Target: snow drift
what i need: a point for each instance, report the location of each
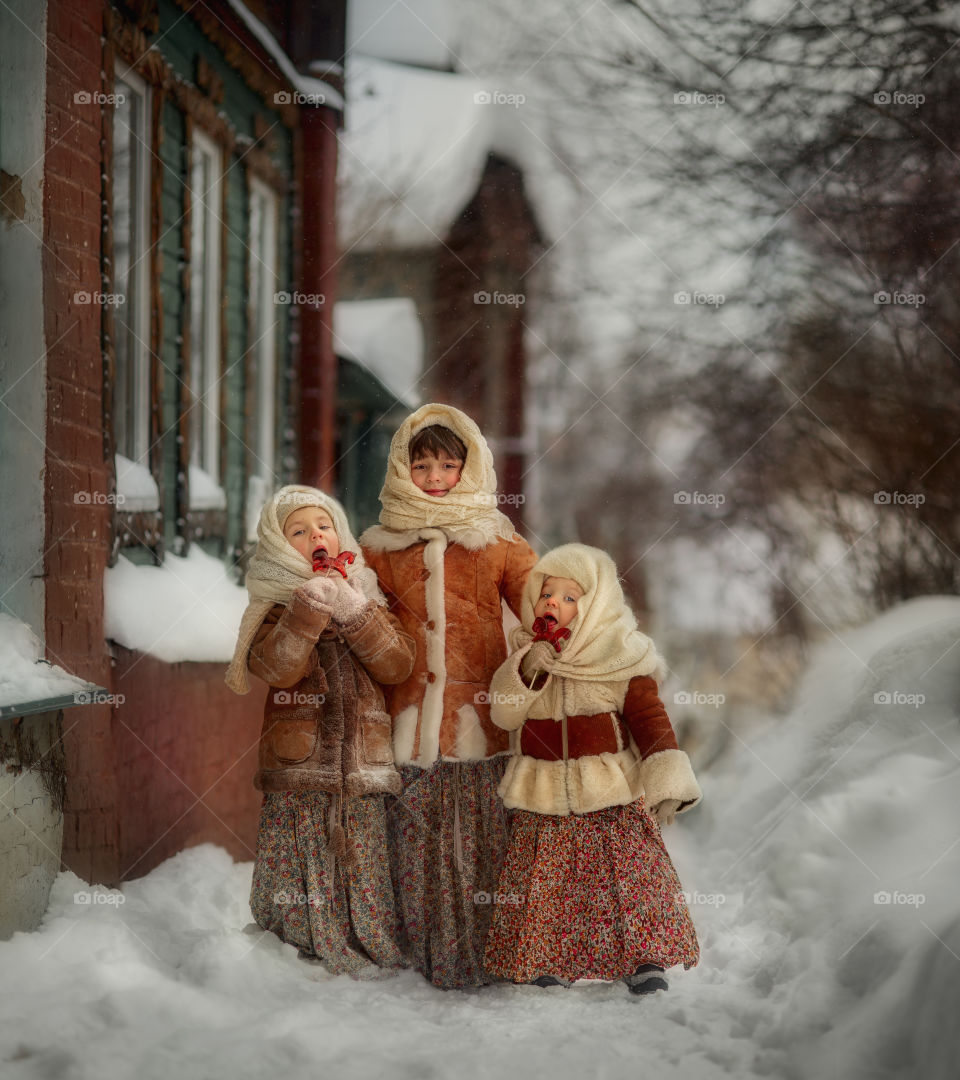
(821, 869)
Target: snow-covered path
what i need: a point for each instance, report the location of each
(806, 971)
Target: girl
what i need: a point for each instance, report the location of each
(320, 879)
(446, 558)
(588, 889)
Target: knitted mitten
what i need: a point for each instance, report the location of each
(343, 600)
(317, 593)
(536, 659)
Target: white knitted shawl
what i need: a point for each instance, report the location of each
(467, 514)
(277, 568)
(605, 644)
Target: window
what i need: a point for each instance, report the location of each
(130, 215)
(263, 346)
(205, 238)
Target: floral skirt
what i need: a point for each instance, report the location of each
(447, 834)
(342, 914)
(589, 896)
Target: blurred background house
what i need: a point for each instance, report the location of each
(436, 209)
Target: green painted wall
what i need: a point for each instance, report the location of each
(181, 43)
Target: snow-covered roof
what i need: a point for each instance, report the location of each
(413, 32)
(386, 337)
(414, 149)
(312, 88)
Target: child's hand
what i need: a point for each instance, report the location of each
(538, 656)
(347, 602)
(665, 811)
(319, 592)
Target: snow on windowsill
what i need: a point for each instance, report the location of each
(25, 675)
(136, 488)
(188, 609)
(205, 492)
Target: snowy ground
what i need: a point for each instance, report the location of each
(807, 971)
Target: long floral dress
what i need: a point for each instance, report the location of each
(588, 896)
(340, 911)
(447, 834)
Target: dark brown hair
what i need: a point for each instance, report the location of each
(439, 441)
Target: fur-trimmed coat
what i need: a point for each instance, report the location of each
(447, 597)
(324, 723)
(611, 743)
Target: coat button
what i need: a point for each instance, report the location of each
(431, 625)
(431, 676)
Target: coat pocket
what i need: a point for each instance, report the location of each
(375, 732)
(293, 738)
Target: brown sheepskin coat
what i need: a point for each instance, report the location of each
(324, 724)
(447, 597)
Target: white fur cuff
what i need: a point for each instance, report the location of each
(668, 774)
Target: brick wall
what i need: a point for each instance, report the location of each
(172, 764)
(185, 749)
(77, 533)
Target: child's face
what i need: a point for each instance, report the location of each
(311, 527)
(558, 600)
(436, 475)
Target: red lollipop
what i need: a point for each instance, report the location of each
(322, 561)
(543, 632)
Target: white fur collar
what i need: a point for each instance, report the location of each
(380, 538)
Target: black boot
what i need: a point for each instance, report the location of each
(647, 979)
(549, 980)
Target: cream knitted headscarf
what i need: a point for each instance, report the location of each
(277, 568)
(604, 644)
(468, 508)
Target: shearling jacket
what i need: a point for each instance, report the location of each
(612, 744)
(447, 597)
(324, 723)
